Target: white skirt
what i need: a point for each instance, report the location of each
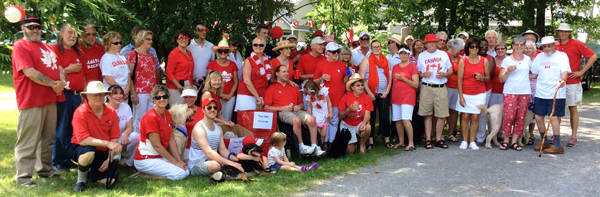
(471, 102)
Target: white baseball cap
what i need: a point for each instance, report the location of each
(364, 33)
(292, 36)
(317, 40)
(332, 46)
(463, 33)
(404, 50)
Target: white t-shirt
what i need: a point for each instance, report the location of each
(517, 81)
(124, 114)
(437, 61)
(549, 70)
(358, 56)
(116, 67)
(274, 152)
(202, 56)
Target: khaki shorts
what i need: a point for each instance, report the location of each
(574, 94)
(288, 117)
(433, 99)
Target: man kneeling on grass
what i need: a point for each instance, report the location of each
(95, 136)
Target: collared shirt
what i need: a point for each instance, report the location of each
(358, 56)
(574, 50)
(280, 95)
(393, 59)
(202, 56)
(492, 53)
(239, 62)
(87, 124)
(125, 52)
(179, 67)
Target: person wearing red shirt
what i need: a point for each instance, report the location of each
(91, 53)
(68, 54)
(307, 65)
(331, 74)
(256, 73)
(284, 49)
(574, 50)
(287, 101)
(95, 138)
(484, 46)
(180, 66)
(455, 48)
(39, 83)
(404, 85)
(356, 107)
(213, 87)
(152, 157)
(295, 54)
(229, 73)
(190, 94)
(471, 90)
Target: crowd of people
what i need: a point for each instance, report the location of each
(100, 99)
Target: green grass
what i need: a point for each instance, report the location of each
(592, 96)
(281, 184)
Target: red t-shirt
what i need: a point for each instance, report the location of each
(74, 80)
(275, 63)
(226, 72)
(453, 79)
(574, 50)
(86, 124)
(278, 95)
(198, 116)
(259, 81)
(217, 99)
(145, 73)
(41, 57)
(308, 63)
(488, 84)
(153, 122)
(179, 67)
(402, 92)
(497, 86)
(337, 71)
(90, 58)
(355, 117)
(294, 54)
(472, 86)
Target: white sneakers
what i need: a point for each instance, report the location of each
(311, 151)
(318, 152)
(463, 145)
(473, 146)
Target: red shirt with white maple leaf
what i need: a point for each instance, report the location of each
(228, 73)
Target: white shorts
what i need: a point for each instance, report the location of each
(574, 94)
(161, 167)
(245, 102)
(402, 112)
(471, 102)
(353, 131)
(452, 98)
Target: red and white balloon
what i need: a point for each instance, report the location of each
(14, 14)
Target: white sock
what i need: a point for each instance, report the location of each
(300, 145)
(81, 176)
(313, 145)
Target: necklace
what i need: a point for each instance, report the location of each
(163, 118)
(519, 59)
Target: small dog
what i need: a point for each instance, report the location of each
(340, 144)
(229, 173)
(495, 114)
(180, 114)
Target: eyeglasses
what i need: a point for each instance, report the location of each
(335, 52)
(148, 39)
(355, 44)
(258, 45)
(391, 42)
(183, 38)
(376, 47)
(473, 47)
(91, 34)
(223, 51)
(163, 97)
(211, 107)
(203, 30)
(36, 27)
(500, 49)
(363, 39)
(485, 47)
(547, 46)
(518, 45)
(117, 43)
(235, 45)
(358, 85)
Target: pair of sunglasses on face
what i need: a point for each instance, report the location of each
(183, 38)
(36, 27)
(210, 107)
(258, 45)
(161, 97)
(335, 52)
(203, 30)
(222, 51)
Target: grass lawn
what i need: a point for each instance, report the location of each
(281, 184)
(592, 96)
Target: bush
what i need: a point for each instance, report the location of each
(5, 60)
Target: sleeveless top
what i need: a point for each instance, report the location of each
(213, 137)
(258, 78)
(382, 79)
(472, 86)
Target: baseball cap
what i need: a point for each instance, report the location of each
(251, 140)
(207, 101)
(332, 46)
(318, 33)
(292, 36)
(30, 20)
(317, 40)
(364, 33)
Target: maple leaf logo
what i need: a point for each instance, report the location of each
(226, 76)
(49, 59)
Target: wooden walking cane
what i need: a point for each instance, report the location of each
(549, 119)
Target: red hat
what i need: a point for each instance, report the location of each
(430, 38)
(318, 33)
(207, 101)
(251, 140)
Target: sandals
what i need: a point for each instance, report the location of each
(441, 144)
(390, 145)
(531, 141)
(452, 138)
(397, 146)
(516, 147)
(428, 145)
(409, 148)
(503, 146)
(370, 147)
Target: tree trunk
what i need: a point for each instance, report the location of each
(540, 19)
(528, 15)
(453, 17)
(441, 14)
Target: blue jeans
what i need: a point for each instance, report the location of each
(62, 151)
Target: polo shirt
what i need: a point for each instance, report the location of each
(337, 71)
(574, 50)
(308, 64)
(202, 56)
(86, 124)
(279, 95)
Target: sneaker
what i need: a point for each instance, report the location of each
(29, 184)
(539, 147)
(572, 143)
(79, 186)
(318, 152)
(307, 150)
(314, 166)
(552, 140)
(553, 150)
(303, 168)
(463, 145)
(61, 168)
(473, 146)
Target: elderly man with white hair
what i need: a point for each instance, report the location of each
(307, 65)
(443, 37)
(493, 38)
(364, 50)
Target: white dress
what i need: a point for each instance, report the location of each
(319, 106)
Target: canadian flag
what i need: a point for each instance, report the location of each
(249, 20)
(296, 23)
(216, 23)
(279, 20)
(225, 35)
(310, 23)
(267, 23)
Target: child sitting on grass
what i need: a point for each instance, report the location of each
(278, 159)
(319, 107)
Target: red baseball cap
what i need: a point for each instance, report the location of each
(318, 33)
(251, 140)
(207, 101)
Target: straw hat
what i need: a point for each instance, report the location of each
(223, 44)
(563, 27)
(95, 87)
(537, 37)
(354, 78)
(394, 37)
(430, 38)
(283, 44)
(548, 40)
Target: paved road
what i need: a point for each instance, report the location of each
(486, 172)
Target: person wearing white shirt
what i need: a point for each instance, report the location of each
(364, 50)
(236, 56)
(434, 69)
(492, 37)
(201, 50)
(550, 68)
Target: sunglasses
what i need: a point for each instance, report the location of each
(376, 47)
(391, 42)
(355, 45)
(211, 107)
(365, 39)
(485, 47)
(159, 97)
(500, 49)
(223, 51)
(91, 34)
(183, 38)
(258, 45)
(473, 47)
(203, 30)
(335, 52)
(148, 39)
(358, 85)
(36, 27)
(117, 43)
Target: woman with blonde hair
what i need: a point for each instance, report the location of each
(113, 65)
(213, 87)
(142, 67)
(346, 58)
(256, 73)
